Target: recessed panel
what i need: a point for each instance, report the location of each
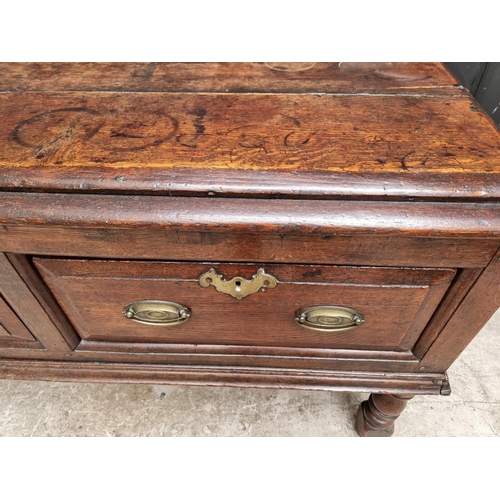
(395, 304)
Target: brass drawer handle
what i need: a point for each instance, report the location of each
(157, 313)
(238, 287)
(329, 318)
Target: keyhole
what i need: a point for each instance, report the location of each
(238, 286)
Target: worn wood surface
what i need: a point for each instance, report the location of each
(461, 285)
(301, 169)
(328, 248)
(476, 220)
(191, 129)
(229, 77)
(475, 310)
(396, 303)
(251, 132)
(233, 137)
(12, 325)
(23, 303)
(217, 355)
(13, 333)
(397, 383)
(365, 185)
(377, 415)
(37, 287)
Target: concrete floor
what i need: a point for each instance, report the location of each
(69, 409)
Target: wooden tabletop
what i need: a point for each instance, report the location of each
(322, 130)
(228, 77)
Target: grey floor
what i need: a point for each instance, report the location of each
(68, 409)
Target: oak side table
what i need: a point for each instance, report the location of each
(331, 226)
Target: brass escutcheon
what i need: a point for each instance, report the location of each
(329, 318)
(157, 312)
(238, 287)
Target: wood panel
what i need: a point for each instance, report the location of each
(225, 376)
(321, 133)
(12, 325)
(396, 303)
(264, 164)
(461, 285)
(37, 287)
(253, 215)
(162, 244)
(13, 333)
(101, 353)
(230, 182)
(24, 304)
(229, 77)
(475, 310)
(157, 125)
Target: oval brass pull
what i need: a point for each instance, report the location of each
(157, 313)
(329, 318)
(238, 287)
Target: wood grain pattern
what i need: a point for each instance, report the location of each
(303, 133)
(360, 185)
(376, 416)
(12, 325)
(396, 303)
(146, 128)
(24, 304)
(229, 77)
(253, 215)
(251, 353)
(294, 274)
(329, 248)
(475, 310)
(28, 274)
(216, 355)
(404, 383)
(13, 333)
(210, 182)
(461, 285)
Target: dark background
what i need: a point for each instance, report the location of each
(483, 81)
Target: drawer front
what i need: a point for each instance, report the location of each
(395, 303)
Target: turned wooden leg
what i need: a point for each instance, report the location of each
(377, 415)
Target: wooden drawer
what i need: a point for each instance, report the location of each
(354, 186)
(395, 303)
